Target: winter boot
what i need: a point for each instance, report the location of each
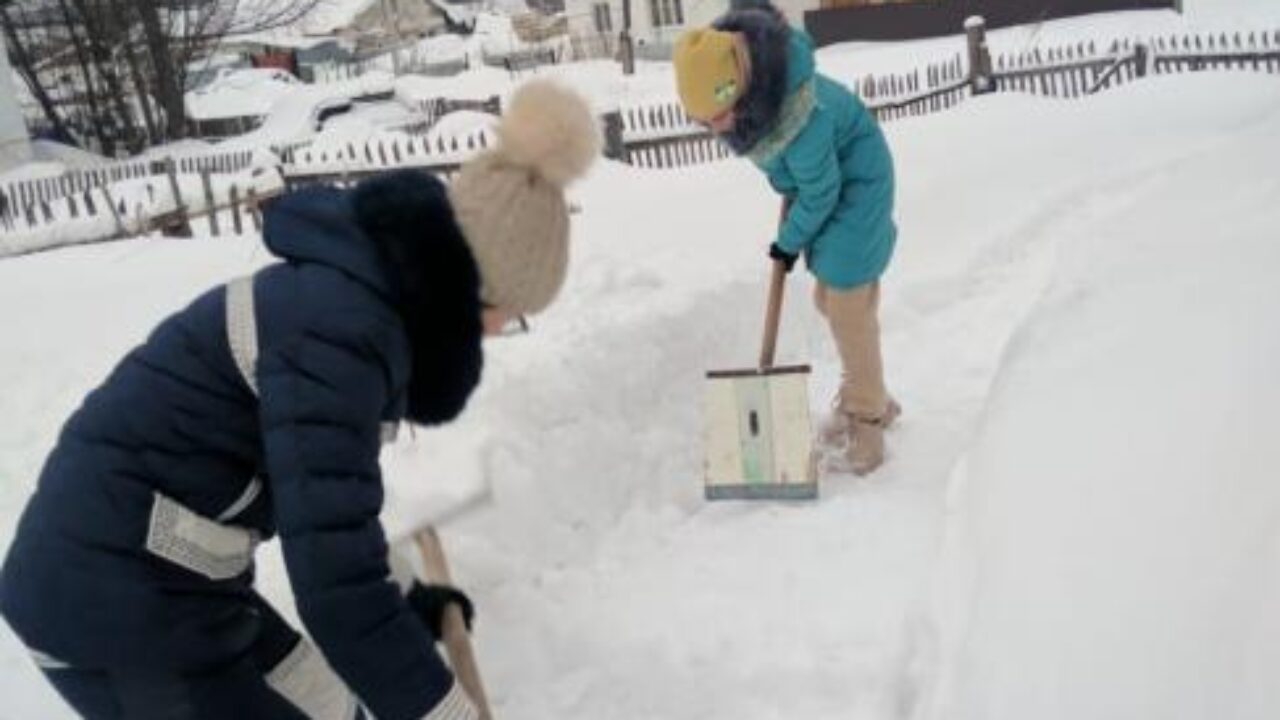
(836, 429)
(866, 439)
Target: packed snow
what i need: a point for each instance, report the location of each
(1078, 518)
(608, 588)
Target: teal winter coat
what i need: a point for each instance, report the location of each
(820, 148)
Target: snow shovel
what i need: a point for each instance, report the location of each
(468, 489)
(457, 643)
(758, 437)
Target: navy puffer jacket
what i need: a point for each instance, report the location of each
(372, 317)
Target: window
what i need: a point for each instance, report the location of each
(603, 14)
(665, 13)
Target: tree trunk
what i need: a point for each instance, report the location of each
(105, 141)
(168, 88)
(99, 47)
(28, 72)
(122, 27)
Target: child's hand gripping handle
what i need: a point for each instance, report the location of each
(457, 643)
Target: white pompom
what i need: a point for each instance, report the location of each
(551, 130)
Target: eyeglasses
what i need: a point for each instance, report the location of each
(518, 325)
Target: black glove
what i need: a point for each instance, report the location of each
(787, 259)
(429, 601)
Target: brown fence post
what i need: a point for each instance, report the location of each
(1140, 55)
(627, 53)
(980, 80)
(211, 207)
(179, 225)
(115, 214)
(614, 147)
(236, 224)
(255, 212)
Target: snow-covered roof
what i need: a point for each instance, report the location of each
(248, 92)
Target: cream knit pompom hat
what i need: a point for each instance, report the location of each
(510, 201)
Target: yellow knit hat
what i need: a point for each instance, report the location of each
(708, 73)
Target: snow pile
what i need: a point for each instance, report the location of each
(68, 155)
(607, 587)
(330, 16)
(1115, 541)
(295, 115)
(248, 92)
(50, 159)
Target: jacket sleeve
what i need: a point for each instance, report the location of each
(322, 395)
(812, 161)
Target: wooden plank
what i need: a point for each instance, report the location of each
(255, 213)
(211, 207)
(722, 460)
(792, 433)
(115, 213)
(755, 430)
(181, 225)
(236, 225)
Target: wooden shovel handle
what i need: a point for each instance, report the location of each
(457, 643)
(773, 312)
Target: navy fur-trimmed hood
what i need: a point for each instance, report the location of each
(435, 284)
(397, 234)
(767, 36)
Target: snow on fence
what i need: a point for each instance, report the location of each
(1258, 52)
(1071, 71)
(892, 97)
(409, 63)
(660, 136)
(224, 203)
(223, 189)
(353, 161)
(430, 110)
(25, 193)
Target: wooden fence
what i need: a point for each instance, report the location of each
(941, 86)
(226, 204)
(655, 135)
(661, 136)
(354, 161)
(1259, 52)
(28, 192)
(17, 195)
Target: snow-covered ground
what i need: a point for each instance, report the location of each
(1133, 275)
(1079, 518)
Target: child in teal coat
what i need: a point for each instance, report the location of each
(751, 78)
